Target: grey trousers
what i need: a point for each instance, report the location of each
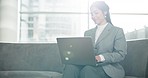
(76, 71)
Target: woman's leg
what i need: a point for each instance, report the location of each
(71, 71)
(93, 72)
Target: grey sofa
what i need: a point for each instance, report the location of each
(42, 60)
(30, 60)
(135, 63)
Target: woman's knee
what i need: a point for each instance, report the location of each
(72, 68)
(71, 71)
(88, 69)
(88, 72)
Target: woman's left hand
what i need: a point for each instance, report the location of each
(98, 58)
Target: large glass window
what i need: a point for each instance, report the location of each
(45, 20)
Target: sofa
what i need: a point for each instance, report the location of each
(30, 60)
(136, 60)
(42, 60)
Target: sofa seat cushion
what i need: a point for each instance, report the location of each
(132, 77)
(30, 74)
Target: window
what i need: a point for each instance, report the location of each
(48, 19)
(45, 20)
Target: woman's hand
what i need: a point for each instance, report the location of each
(98, 58)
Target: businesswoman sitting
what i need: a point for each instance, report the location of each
(109, 46)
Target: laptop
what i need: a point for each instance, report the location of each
(77, 51)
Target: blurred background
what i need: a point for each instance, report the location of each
(45, 20)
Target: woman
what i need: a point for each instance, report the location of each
(109, 46)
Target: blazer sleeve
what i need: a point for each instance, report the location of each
(120, 49)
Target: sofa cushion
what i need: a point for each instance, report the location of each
(136, 60)
(146, 75)
(30, 57)
(132, 77)
(29, 74)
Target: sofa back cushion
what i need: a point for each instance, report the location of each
(136, 60)
(30, 57)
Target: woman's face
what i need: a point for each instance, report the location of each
(98, 16)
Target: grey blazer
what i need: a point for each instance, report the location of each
(112, 45)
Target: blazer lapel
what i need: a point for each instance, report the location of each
(104, 33)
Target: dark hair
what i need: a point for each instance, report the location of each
(104, 7)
